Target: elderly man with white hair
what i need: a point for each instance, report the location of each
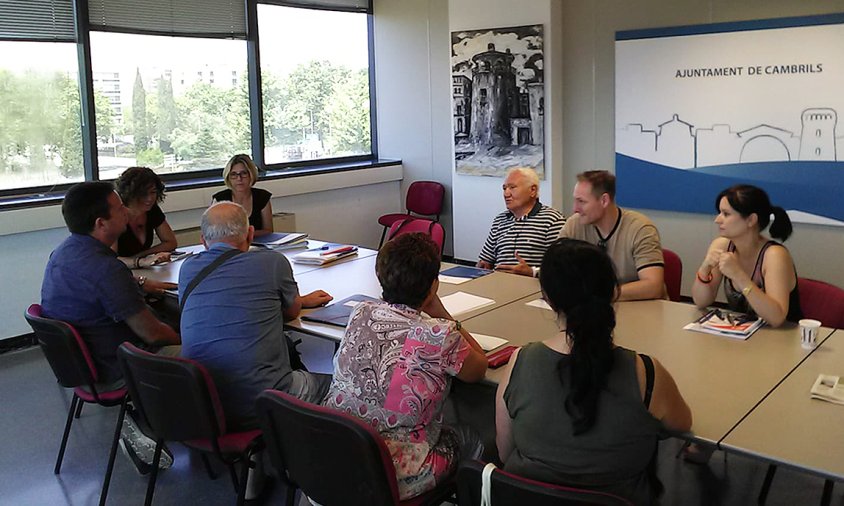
(520, 235)
(234, 304)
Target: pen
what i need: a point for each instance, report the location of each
(706, 316)
(341, 249)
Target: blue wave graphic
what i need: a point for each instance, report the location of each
(811, 187)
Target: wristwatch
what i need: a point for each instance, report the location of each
(142, 280)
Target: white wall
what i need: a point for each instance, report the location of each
(413, 90)
(477, 200)
(588, 111)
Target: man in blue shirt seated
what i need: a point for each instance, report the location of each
(87, 286)
(233, 319)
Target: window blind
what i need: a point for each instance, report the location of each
(340, 5)
(37, 20)
(192, 18)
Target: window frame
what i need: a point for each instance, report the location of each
(37, 196)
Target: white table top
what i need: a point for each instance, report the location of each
(790, 428)
(721, 378)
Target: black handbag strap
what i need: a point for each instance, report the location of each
(208, 269)
(649, 379)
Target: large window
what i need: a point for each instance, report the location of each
(315, 83)
(173, 104)
(40, 115)
(167, 84)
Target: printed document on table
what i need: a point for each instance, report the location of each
(462, 302)
(452, 280)
(540, 303)
(828, 388)
(489, 342)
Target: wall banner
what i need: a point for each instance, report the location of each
(701, 108)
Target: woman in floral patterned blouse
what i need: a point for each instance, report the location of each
(395, 364)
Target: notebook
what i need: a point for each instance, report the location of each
(337, 313)
(325, 254)
(281, 240)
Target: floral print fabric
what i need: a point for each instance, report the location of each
(393, 370)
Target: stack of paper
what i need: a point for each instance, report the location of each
(726, 323)
(281, 240)
(325, 255)
(462, 302)
(828, 388)
(489, 342)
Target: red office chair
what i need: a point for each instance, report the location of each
(334, 458)
(74, 368)
(507, 488)
(823, 302)
(178, 399)
(423, 198)
(673, 274)
(410, 225)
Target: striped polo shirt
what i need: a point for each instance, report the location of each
(530, 236)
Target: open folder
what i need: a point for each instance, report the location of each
(337, 313)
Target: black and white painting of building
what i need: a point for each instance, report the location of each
(498, 100)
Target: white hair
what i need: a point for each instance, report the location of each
(224, 221)
(526, 172)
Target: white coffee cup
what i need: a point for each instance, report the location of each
(809, 333)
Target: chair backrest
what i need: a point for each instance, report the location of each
(821, 301)
(673, 274)
(425, 197)
(64, 348)
(507, 488)
(176, 396)
(332, 457)
(410, 225)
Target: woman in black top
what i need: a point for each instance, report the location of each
(759, 274)
(142, 190)
(240, 175)
(575, 409)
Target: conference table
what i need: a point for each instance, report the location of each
(747, 396)
(789, 428)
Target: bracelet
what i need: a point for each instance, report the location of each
(137, 262)
(747, 289)
(702, 280)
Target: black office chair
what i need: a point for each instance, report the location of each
(74, 368)
(507, 488)
(178, 400)
(334, 458)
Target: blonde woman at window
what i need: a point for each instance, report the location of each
(240, 175)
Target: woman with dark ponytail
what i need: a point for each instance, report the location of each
(759, 272)
(576, 409)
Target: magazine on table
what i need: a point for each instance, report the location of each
(726, 323)
(828, 388)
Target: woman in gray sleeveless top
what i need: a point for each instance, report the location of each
(575, 409)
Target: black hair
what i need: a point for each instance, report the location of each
(84, 203)
(135, 181)
(748, 199)
(407, 267)
(579, 282)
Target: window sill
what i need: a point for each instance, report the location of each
(42, 211)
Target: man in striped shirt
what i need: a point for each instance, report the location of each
(519, 236)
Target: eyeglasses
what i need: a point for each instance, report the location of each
(239, 175)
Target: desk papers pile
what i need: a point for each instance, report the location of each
(828, 388)
(726, 323)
